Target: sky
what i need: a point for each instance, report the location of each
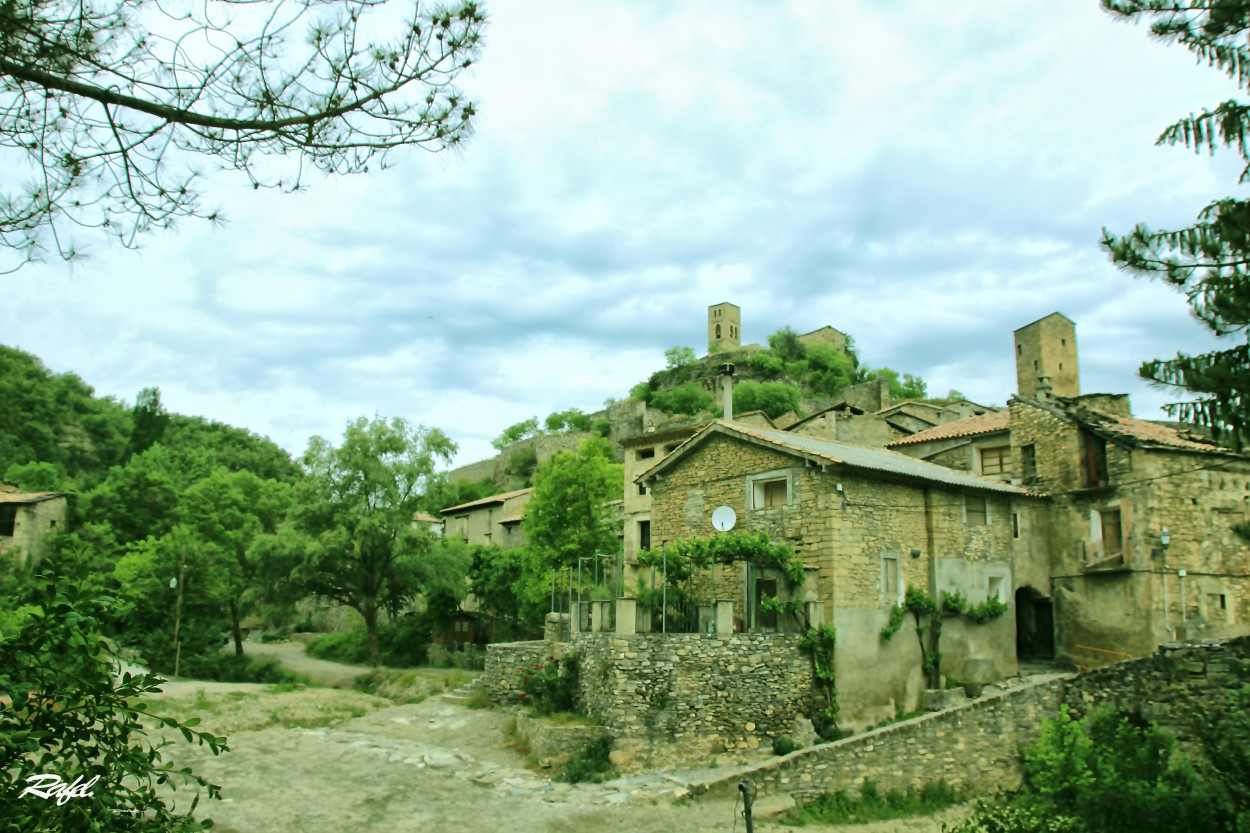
(926, 177)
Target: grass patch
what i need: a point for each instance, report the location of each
(478, 700)
(591, 765)
(874, 805)
(569, 719)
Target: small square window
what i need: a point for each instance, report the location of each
(646, 453)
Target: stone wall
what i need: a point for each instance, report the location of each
(503, 660)
(974, 747)
(549, 743)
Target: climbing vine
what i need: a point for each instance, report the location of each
(929, 614)
(819, 644)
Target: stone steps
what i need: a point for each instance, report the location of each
(463, 694)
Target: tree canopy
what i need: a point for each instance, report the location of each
(567, 516)
(1209, 261)
(113, 107)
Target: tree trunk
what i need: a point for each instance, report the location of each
(370, 612)
(234, 626)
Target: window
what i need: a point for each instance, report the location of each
(644, 535)
(769, 490)
(1094, 458)
(891, 578)
(1015, 524)
(8, 519)
(645, 453)
(461, 626)
(1112, 536)
(976, 510)
(718, 330)
(1028, 461)
(994, 460)
(642, 490)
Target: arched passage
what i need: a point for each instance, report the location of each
(1035, 625)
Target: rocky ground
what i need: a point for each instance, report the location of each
(322, 759)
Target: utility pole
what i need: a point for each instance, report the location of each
(178, 583)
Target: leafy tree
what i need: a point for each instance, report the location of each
(829, 370)
(199, 446)
(495, 574)
(676, 358)
(55, 419)
(149, 420)
(33, 477)
(773, 398)
(228, 511)
(766, 365)
(571, 420)
(137, 500)
(1208, 261)
(908, 386)
(524, 429)
(70, 716)
(567, 516)
(112, 107)
(353, 538)
(786, 346)
(690, 399)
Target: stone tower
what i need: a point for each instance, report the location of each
(1046, 357)
(724, 327)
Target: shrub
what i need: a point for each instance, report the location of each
(874, 805)
(402, 643)
(68, 716)
(689, 399)
(592, 765)
(550, 686)
(784, 745)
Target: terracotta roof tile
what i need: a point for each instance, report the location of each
(988, 423)
(1152, 432)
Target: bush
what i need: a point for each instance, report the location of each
(591, 765)
(690, 399)
(68, 716)
(240, 668)
(874, 805)
(550, 686)
(403, 644)
(784, 745)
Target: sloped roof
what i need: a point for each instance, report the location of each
(827, 451)
(988, 423)
(28, 497)
(1151, 433)
(503, 497)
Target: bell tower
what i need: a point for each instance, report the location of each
(724, 327)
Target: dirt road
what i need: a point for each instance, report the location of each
(324, 760)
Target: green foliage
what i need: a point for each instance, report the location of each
(765, 364)
(908, 386)
(524, 429)
(402, 643)
(592, 765)
(689, 399)
(784, 745)
(819, 644)
(786, 346)
(69, 716)
(928, 615)
(350, 537)
(522, 464)
(873, 805)
(56, 419)
(1015, 818)
(550, 686)
(34, 477)
(496, 576)
(1208, 261)
(676, 358)
(773, 398)
(567, 516)
(148, 421)
(571, 420)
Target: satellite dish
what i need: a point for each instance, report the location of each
(724, 518)
(173, 582)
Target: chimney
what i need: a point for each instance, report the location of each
(727, 382)
(1044, 390)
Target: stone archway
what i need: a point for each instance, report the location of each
(1035, 625)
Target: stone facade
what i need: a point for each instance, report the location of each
(865, 535)
(27, 519)
(1046, 357)
(494, 520)
(724, 327)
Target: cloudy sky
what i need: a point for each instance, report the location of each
(924, 176)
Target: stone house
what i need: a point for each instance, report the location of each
(27, 519)
(867, 523)
(494, 520)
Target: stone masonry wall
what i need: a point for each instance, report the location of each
(503, 660)
(684, 697)
(973, 747)
(977, 746)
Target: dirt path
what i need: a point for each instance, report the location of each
(327, 761)
(293, 658)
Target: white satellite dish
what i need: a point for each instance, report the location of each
(724, 518)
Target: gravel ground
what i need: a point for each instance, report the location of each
(322, 760)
